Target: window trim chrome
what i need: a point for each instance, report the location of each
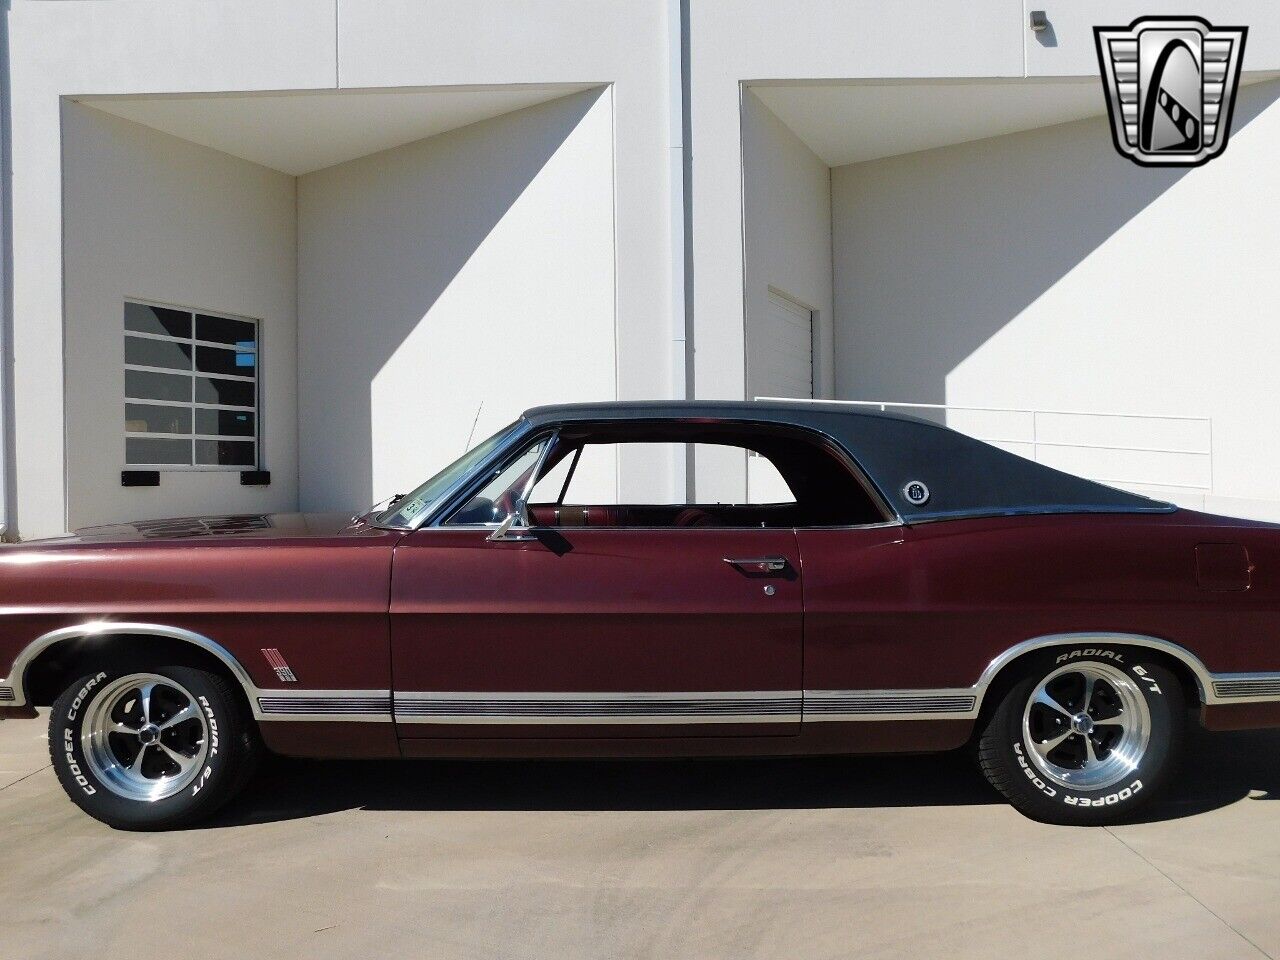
(534, 477)
(889, 515)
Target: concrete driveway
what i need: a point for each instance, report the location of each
(892, 857)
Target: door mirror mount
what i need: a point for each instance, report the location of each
(515, 528)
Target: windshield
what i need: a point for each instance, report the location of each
(404, 512)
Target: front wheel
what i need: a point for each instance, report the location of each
(151, 748)
(1086, 736)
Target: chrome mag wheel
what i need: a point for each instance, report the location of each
(145, 737)
(1086, 726)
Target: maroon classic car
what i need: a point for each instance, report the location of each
(905, 588)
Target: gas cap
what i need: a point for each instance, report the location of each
(1222, 566)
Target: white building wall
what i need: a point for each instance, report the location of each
(76, 48)
(787, 209)
(740, 41)
(744, 40)
(1068, 49)
(468, 273)
(152, 217)
(787, 204)
(84, 47)
(391, 43)
(1037, 270)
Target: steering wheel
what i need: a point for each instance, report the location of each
(479, 510)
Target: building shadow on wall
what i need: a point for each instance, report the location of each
(380, 241)
(1218, 770)
(992, 242)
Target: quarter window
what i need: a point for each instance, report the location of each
(191, 389)
(502, 492)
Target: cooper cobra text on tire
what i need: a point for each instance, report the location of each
(151, 748)
(1086, 736)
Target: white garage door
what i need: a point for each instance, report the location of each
(785, 345)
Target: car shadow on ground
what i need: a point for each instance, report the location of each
(1218, 769)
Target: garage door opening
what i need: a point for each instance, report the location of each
(784, 345)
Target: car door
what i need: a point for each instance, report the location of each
(588, 632)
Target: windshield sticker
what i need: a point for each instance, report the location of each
(414, 507)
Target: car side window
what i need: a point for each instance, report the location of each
(593, 472)
(782, 480)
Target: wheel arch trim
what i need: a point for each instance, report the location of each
(266, 704)
(1203, 678)
(104, 628)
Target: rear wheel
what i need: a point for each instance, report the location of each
(1087, 736)
(151, 748)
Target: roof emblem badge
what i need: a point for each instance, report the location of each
(916, 492)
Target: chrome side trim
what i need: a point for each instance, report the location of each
(661, 708)
(1246, 687)
(595, 720)
(700, 707)
(764, 706)
(358, 706)
(862, 705)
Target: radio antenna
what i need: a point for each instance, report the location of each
(472, 434)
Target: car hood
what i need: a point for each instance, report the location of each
(252, 526)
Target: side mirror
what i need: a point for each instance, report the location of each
(508, 531)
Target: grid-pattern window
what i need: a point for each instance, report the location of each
(191, 389)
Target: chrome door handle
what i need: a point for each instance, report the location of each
(758, 564)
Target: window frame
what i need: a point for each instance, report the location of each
(522, 440)
(192, 405)
(581, 447)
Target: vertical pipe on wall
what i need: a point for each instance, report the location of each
(681, 225)
(6, 271)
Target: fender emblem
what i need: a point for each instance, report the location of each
(279, 665)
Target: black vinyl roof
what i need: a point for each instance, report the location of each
(965, 477)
